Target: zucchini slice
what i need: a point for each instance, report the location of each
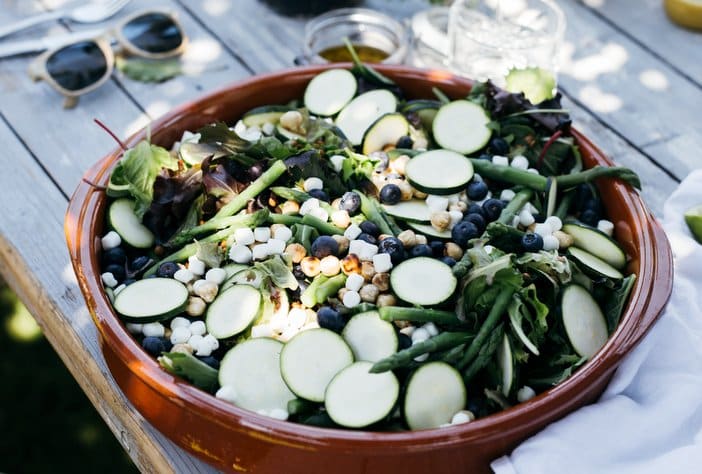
(361, 112)
(425, 109)
(385, 131)
(125, 222)
(422, 280)
(597, 243)
(439, 172)
(429, 230)
(356, 398)
(265, 114)
(152, 299)
(435, 393)
(233, 311)
(414, 210)
(311, 359)
(327, 93)
(583, 320)
(594, 265)
(252, 369)
(370, 337)
(285, 134)
(461, 126)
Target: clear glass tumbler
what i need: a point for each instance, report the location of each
(488, 38)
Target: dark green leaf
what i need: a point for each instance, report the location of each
(309, 164)
(614, 304)
(149, 70)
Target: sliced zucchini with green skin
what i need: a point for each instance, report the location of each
(439, 172)
(361, 112)
(311, 359)
(125, 222)
(152, 299)
(425, 109)
(597, 243)
(429, 230)
(356, 398)
(414, 210)
(423, 281)
(552, 197)
(584, 323)
(594, 265)
(370, 337)
(327, 93)
(435, 392)
(286, 134)
(385, 131)
(245, 276)
(506, 363)
(233, 311)
(265, 114)
(461, 126)
(252, 369)
(233, 268)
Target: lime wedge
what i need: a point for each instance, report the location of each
(536, 83)
(693, 218)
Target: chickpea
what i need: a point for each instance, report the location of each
(441, 220)
(290, 207)
(453, 250)
(386, 299)
(343, 243)
(408, 238)
(382, 281)
(296, 251)
(350, 264)
(367, 270)
(369, 293)
(564, 240)
(310, 266)
(292, 120)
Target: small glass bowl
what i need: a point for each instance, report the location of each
(362, 27)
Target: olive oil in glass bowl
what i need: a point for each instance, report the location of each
(377, 38)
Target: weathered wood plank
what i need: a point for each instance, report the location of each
(673, 44)
(608, 73)
(35, 263)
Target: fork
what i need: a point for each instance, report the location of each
(92, 12)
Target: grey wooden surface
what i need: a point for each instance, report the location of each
(632, 81)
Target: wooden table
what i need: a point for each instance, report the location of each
(632, 80)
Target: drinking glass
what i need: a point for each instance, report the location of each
(488, 38)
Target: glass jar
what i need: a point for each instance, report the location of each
(363, 27)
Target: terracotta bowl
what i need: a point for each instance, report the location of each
(233, 439)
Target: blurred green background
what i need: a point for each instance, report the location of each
(48, 423)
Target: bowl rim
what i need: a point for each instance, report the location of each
(646, 302)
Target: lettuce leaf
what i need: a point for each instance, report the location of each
(138, 170)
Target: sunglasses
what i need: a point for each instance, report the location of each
(81, 67)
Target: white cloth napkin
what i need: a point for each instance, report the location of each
(649, 419)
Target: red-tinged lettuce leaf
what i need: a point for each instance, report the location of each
(219, 185)
(173, 195)
(138, 170)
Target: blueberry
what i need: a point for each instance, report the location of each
(404, 142)
(594, 204)
(476, 190)
(588, 216)
(115, 255)
(117, 271)
(476, 219)
(532, 242)
(350, 202)
(209, 360)
(463, 232)
(154, 345)
(474, 208)
(403, 341)
(485, 156)
(324, 246)
(383, 160)
(167, 269)
(392, 246)
(492, 209)
(499, 146)
(369, 227)
(367, 238)
(437, 248)
(421, 250)
(139, 263)
(319, 194)
(448, 261)
(390, 194)
(329, 318)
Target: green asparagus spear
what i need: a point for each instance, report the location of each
(422, 315)
(440, 342)
(254, 189)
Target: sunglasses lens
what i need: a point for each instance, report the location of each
(153, 33)
(77, 66)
